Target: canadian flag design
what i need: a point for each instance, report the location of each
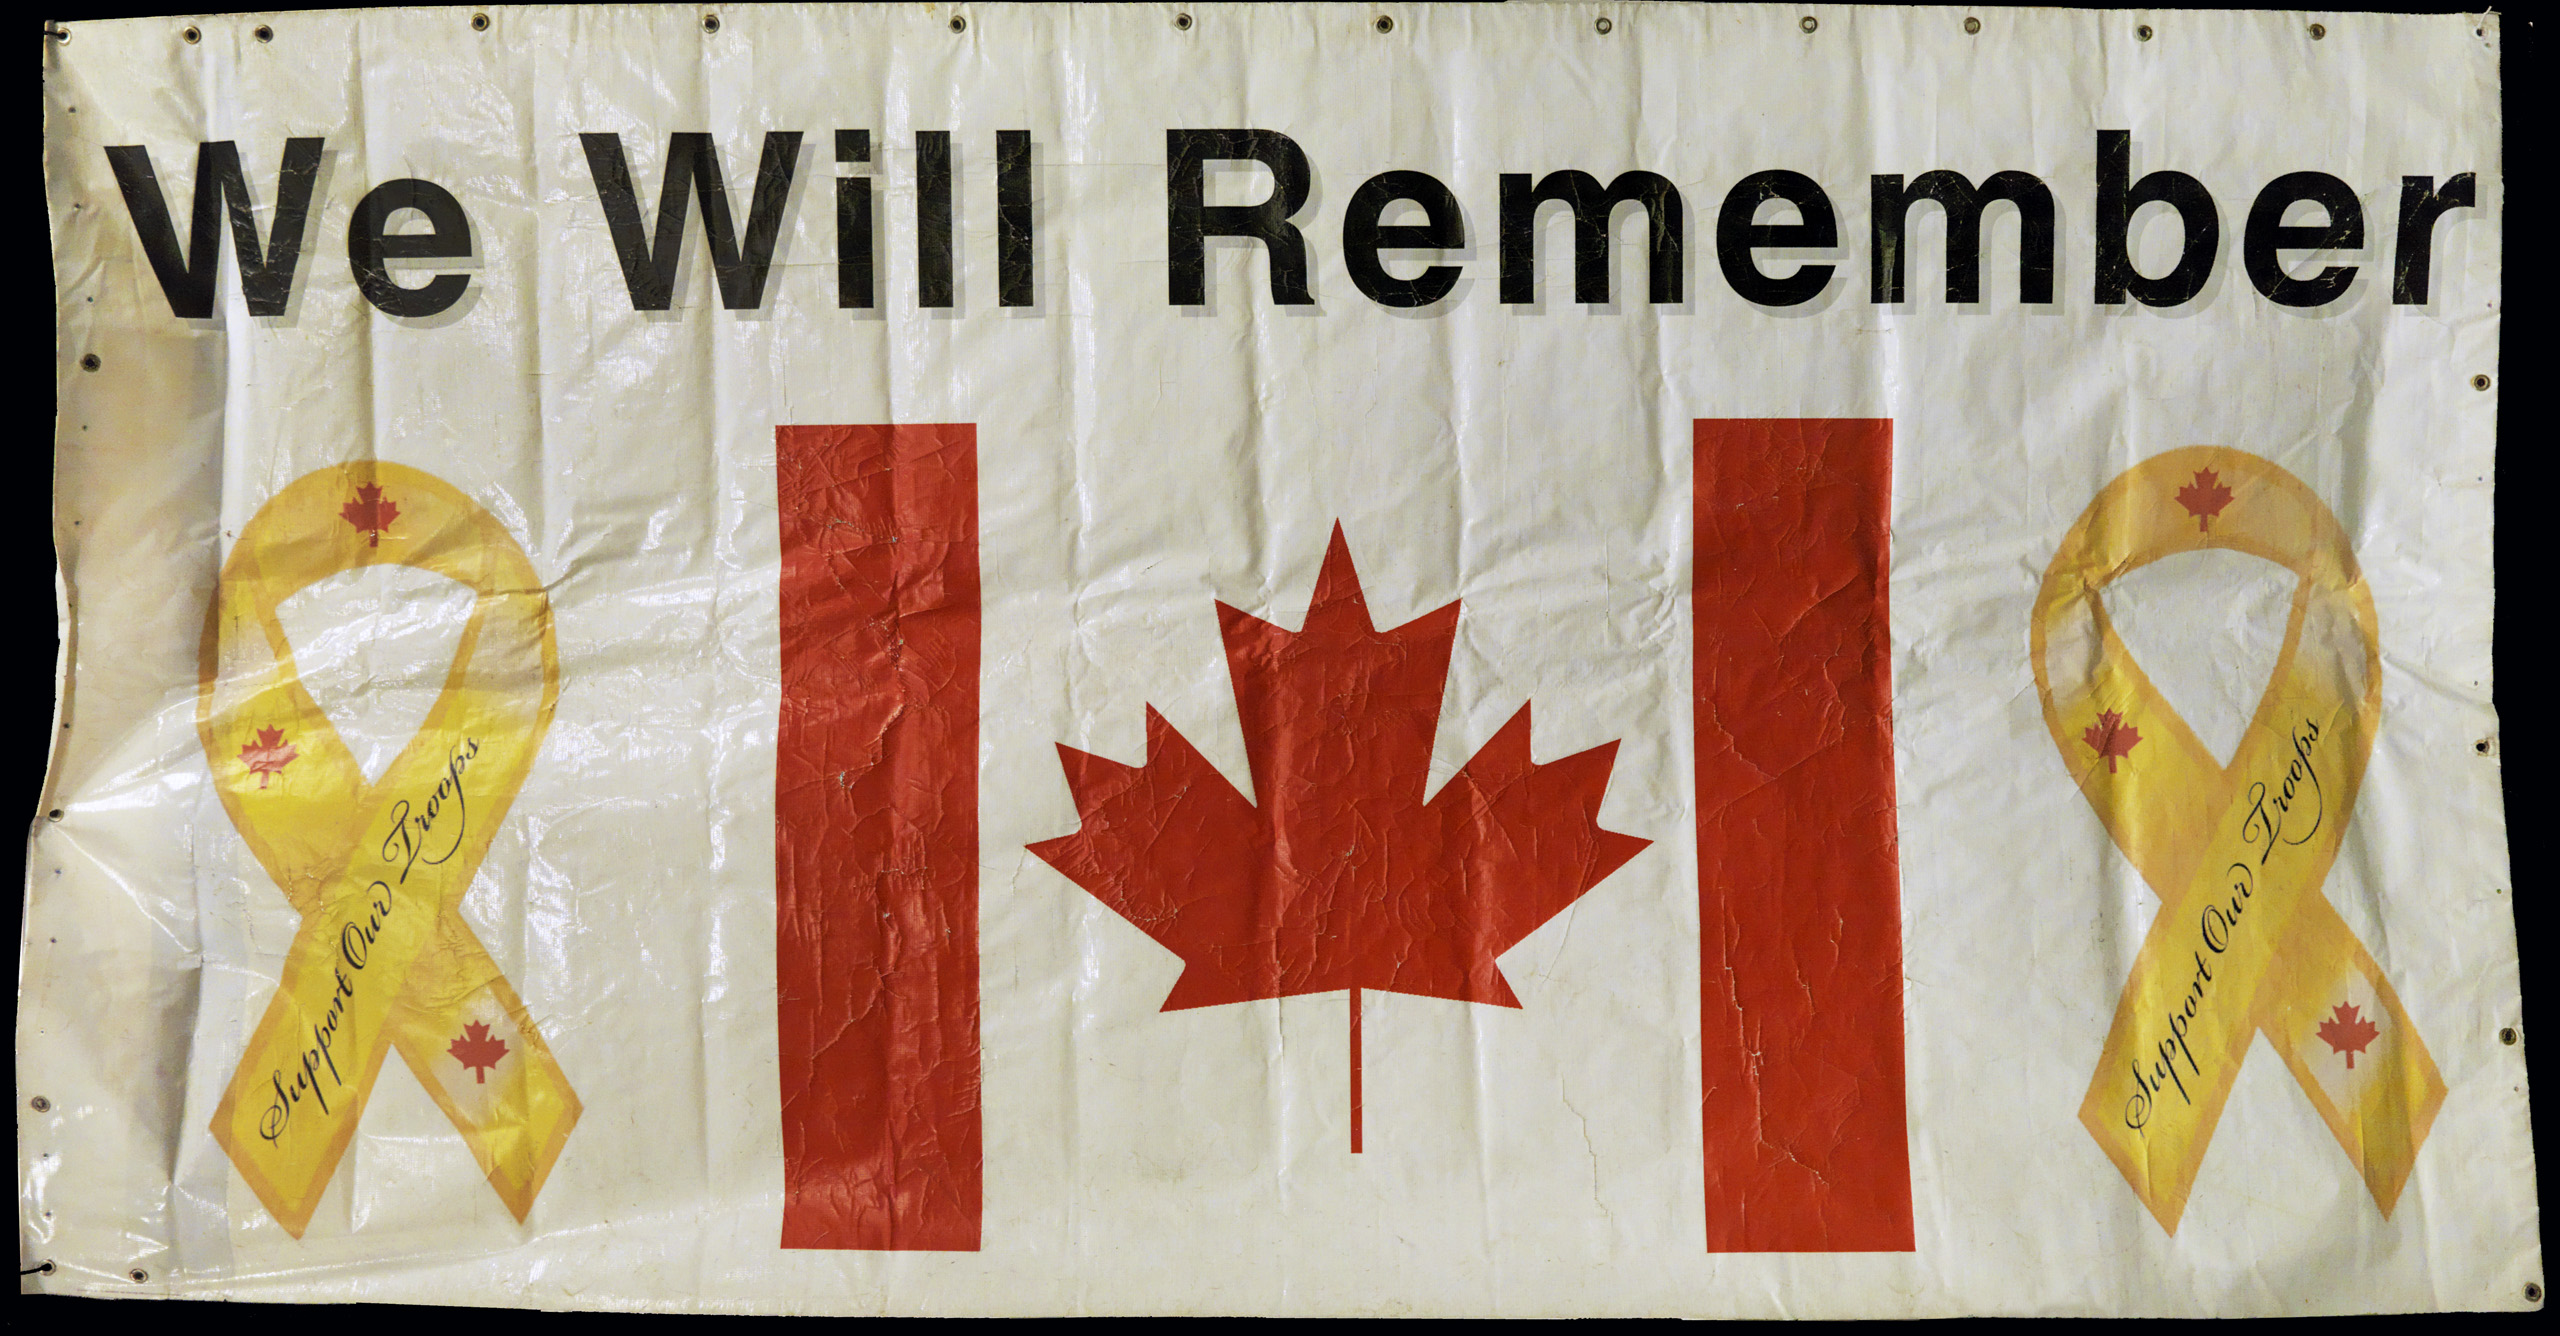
(1337, 872)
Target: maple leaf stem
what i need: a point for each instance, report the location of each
(1355, 1071)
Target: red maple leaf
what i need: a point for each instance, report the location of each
(2112, 737)
(2204, 498)
(476, 1050)
(2348, 1033)
(268, 755)
(370, 512)
(1338, 874)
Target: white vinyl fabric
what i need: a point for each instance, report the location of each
(1139, 462)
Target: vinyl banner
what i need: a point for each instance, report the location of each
(1552, 659)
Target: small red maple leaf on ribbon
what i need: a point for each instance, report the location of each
(477, 1051)
(370, 512)
(2111, 737)
(2348, 1033)
(269, 755)
(2204, 498)
(1338, 874)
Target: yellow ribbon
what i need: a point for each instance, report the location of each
(382, 959)
(2244, 943)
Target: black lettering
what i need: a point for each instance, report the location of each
(693, 167)
(2167, 1068)
(1190, 220)
(371, 245)
(1737, 235)
(1013, 218)
(853, 224)
(933, 218)
(1592, 208)
(397, 846)
(310, 1078)
(2259, 821)
(1964, 204)
(2117, 203)
(271, 1124)
(2302, 762)
(1444, 228)
(2267, 235)
(2413, 252)
(266, 274)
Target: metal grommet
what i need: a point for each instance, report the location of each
(1972, 26)
(139, 1275)
(264, 33)
(1602, 25)
(193, 36)
(57, 34)
(45, 1267)
(1808, 23)
(2318, 31)
(711, 23)
(479, 23)
(42, 1105)
(959, 24)
(1182, 21)
(2143, 33)
(90, 362)
(2508, 1036)
(2532, 1291)
(1386, 24)
(54, 815)
(2482, 746)
(2480, 382)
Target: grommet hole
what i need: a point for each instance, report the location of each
(479, 23)
(1972, 26)
(2480, 382)
(2143, 33)
(1386, 24)
(193, 35)
(2319, 31)
(1182, 21)
(711, 23)
(2508, 1036)
(264, 33)
(1808, 23)
(90, 362)
(40, 1104)
(959, 24)
(1602, 25)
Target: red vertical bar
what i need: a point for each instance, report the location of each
(875, 837)
(1799, 899)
